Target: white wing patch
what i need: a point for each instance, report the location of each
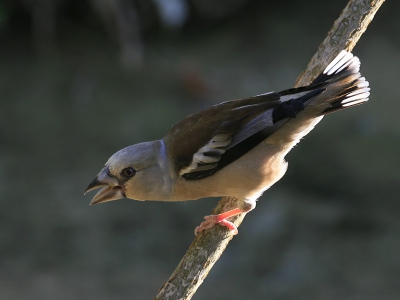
(208, 156)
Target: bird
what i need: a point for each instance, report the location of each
(236, 148)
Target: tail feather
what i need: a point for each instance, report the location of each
(341, 61)
(343, 75)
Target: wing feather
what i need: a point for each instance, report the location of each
(225, 132)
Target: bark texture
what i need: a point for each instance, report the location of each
(202, 254)
(344, 35)
(209, 246)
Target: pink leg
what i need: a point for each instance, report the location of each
(220, 219)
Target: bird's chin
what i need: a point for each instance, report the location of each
(108, 193)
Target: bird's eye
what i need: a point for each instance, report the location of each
(128, 172)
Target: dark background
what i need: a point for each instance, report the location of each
(79, 80)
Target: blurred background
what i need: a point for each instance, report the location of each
(79, 80)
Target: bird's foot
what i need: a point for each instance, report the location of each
(220, 219)
(211, 220)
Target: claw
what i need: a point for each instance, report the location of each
(211, 220)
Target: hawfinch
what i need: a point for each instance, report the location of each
(235, 148)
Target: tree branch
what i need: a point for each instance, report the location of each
(344, 35)
(208, 246)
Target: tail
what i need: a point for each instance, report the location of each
(345, 86)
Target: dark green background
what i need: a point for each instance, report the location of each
(329, 229)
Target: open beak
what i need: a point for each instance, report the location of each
(110, 188)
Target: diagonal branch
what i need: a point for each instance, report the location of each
(208, 246)
(344, 35)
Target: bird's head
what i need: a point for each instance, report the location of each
(136, 172)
